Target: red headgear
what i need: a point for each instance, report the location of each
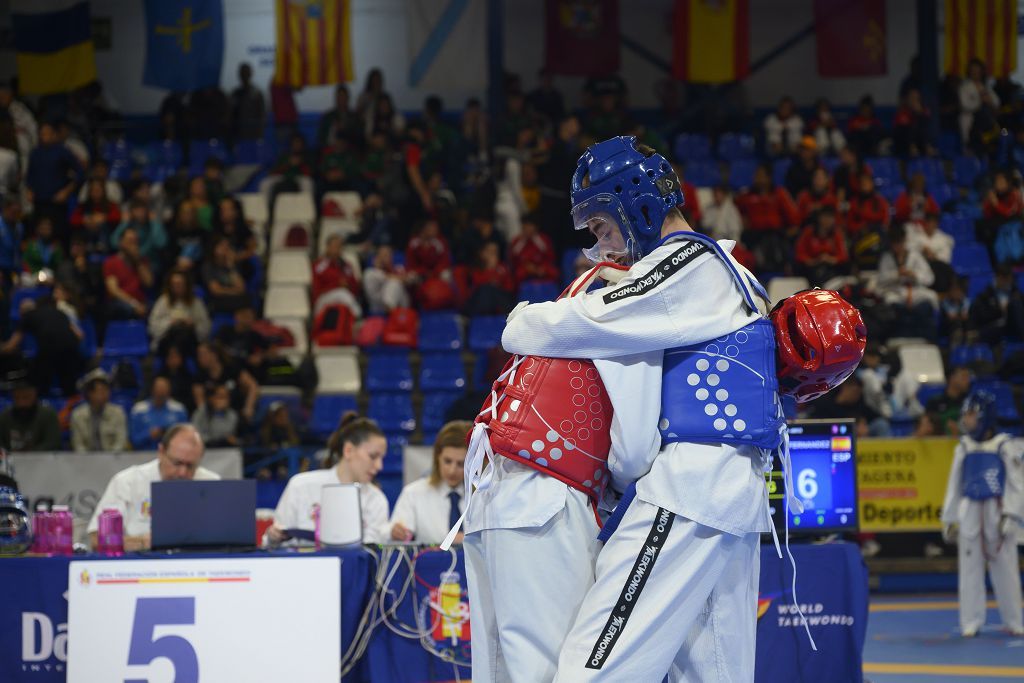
(820, 338)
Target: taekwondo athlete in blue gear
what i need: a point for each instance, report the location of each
(676, 583)
(982, 513)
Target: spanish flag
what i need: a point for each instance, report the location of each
(53, 45)
(983, 29)
(314, 42)
(711, 40)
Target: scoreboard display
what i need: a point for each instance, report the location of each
(824, 477)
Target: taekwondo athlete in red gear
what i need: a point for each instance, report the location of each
(676, 583)
(982, 513)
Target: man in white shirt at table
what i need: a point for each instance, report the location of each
(178, 456)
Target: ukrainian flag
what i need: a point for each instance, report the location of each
(53, 45)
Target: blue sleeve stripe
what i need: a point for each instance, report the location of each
(51, 31)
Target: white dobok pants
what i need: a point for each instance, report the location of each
(980, 543)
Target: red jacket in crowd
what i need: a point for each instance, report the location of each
(810, 246)
(498, 276)
(809, 202)
(770, 210)
(865, 211)
(1007, 206)
(691, 207)
(110, 210)
(533, 257)
(914, 207)
(428, 256)
(331, 274)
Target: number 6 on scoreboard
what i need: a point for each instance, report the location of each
(153, 612)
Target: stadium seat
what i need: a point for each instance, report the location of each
(703, 173)
(346, 205)
(971, 259)
(435, 408)
(966, 170)
(779, 170)
(116, 150)
(394, 459)
(334, 226)
(290, 396)
(440, 332)
(293, 235)
(253, 152)
(126, 338)
(976, 284)
(691, 147)
(886, 170)
(536, 291)
(890, 190)
(22, 294)
(485, 332)
(961, 228)
(442, 371)
(944, 194)
(294, 206)
(166, 153)
(129, 386)
(289, 268)
(830, 164)
(201, 150)
(254, 208)
(300, 335)
(781, 287)
(338, 374)
(923, 362)
(928, 391)
(741, 173)
(969, 354)
(901, 427)
(948, 144)
(389, 371)
(286, 301)
(931, 168)
(393, 412)
(733, 146)
(327, 411)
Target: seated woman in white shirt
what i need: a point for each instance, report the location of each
(428, 507)
(356, 455)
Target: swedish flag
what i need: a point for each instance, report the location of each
(184, 43)
(53, 45)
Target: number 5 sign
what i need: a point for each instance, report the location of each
(186, 621)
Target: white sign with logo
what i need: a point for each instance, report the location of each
(253, 619)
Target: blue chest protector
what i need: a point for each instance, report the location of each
(983, 476)
(725, 390)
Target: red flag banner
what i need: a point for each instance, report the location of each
(581, 37)
(984, 30)
(711, 40)
(851, 38)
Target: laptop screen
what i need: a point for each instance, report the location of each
(197, 514)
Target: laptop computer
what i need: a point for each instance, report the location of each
(203, 514)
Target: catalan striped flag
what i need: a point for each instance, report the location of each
(53, 45)
(711, 40)
(314, 42)
(985, 29)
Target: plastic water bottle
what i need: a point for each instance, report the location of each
(110, 533)
(62, 525)
(41, 532)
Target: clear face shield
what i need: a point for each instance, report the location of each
(606, 220)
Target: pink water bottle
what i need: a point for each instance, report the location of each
(110, 533)
(62, 524)
(41, 532)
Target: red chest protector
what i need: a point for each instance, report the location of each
(553, 414)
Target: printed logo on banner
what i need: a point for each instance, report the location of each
(816, 613)
(84, 577)
(44, 645)
(764, 602)
(444, 619)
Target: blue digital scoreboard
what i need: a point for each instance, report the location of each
(824, 477)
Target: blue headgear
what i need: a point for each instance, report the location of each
(626, 190)
(984, 404)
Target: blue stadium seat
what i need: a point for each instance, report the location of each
(393, 459)
(252, 152)
(890, 190)
(292, 401)
(536, 291)
(886, 169)
(23, 294)
(160, 172)
(109, 363)
(779, 170)
(692, 147)
(389, 371)
(220, 320)
(442, 371)
(166, 153)
(944, 194)
(327, 410)
(391, 484)
(485, 332)
(931, 168)
(703, 173)
(968, 354)
(121, 170)
(393, 412)
(948, 144)
(960, 227)
(830, 164)
(903, 426)
(439, 332)
(126, 338)
(1020, 281)
(733, 146)
(88, 345)
(928, 391)
(966, 170)
(116, 150)
(435, 407)
(741, 173)
(976, 284)
(971, 259)
(201, 150)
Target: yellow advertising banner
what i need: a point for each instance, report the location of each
(902, 482)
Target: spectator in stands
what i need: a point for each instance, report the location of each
(339, 122)
(954, 313)
(979, 106)
(291, 165)
(84, 277)
(97, 217)
(52, 176)
(821, 250)
(334, 280)
(97, 424)
(387, 119)
(936, 247)
(846, 178)
(11, 234)
(412, 154)
(874, 377)
(532, 254)
(179, 455)
(28, 425)
(127, 274)
(57, 336)
(152, 237)
(216, 420)
(866, 222)
(910, 127)
(848, 402)
(179, 372)
(818, 196)
(915, 203)
(43, 251)
(783, 129)
(100, 170)
(384, 283)
(230, 223)
(998, 312)
(805, 162)
(491, 289)
(546, 100)
(209, 114)
(1003, 202)
(10, 164)
(864, 129)
(152, 417)
(213, 183)
(904, 278)
(722, 220)
(277, 430)
(769, 215)
(367, 100)
(339, 170)
(827, 133)
(214, 367)
(25, 127)
(944, 408)
(239, 338)
(223, 281)
(248, 111)
(427, 508)
(428, 254)
(200, 201)
(355, 456)
(178, 318)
